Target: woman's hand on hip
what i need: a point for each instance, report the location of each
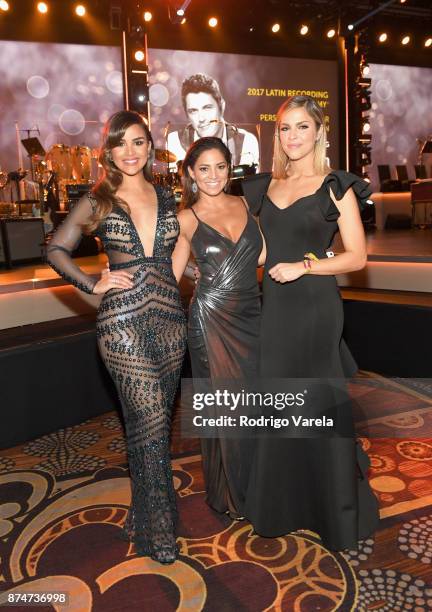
(287, 272)
(113, 280)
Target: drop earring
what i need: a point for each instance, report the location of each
(194, 187)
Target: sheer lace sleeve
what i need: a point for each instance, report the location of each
(65, 240)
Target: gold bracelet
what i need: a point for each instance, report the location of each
(311, 256)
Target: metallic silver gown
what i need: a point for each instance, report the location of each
(223, 338)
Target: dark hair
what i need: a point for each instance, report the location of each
(105, 189)
(198, 83)
(201, 145)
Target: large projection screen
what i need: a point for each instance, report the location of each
(67, 91)
(252, 87)
(401, 117)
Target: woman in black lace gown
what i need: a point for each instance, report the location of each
(141, 328)
(317, 484)
(223, 328)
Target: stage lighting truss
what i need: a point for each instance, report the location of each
(365, 138)
(136, 44)
(361, 107)
(139, 91)
(135, 68)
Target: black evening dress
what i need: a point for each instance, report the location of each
(319, 484)
(223, 340)
(141, 335)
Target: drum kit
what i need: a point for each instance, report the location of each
(71, 165)
(167, 178)
(50, 173)
(75, 164)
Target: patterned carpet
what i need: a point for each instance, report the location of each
(63, 498)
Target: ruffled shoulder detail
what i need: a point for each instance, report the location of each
(339, 181)
(254, 189)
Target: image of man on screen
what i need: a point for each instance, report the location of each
(204, 107)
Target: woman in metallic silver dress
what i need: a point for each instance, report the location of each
(141, 327)
(224, 316)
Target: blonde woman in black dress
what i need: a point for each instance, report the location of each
(141, 326)
(317, 484)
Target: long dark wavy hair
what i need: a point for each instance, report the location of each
(201, 145)
(105, 189)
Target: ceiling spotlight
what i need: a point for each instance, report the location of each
(275, 27)
(180, 12)
(4, 6)
(382, 37)
(139, 55)
(304, 30)
(350, 27)
(42, 7)
(331, 33)
(183, 21)
(405, 40)
(428, 42)
(148, 16)
(80, 10)
(213, 22)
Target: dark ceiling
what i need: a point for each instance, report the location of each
(244, 26)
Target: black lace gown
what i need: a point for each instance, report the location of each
(317, 484)
(223, 339)
(141, 335)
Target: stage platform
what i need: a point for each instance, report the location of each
(399, 262)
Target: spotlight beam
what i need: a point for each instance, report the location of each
(184, 6)
(173, 12)
(374, 12)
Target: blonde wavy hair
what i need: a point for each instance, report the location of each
(280, 158)
(104, 192)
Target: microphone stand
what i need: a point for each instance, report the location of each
(166, 146)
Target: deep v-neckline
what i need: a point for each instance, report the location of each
(135, 230)
(235, 243)
(310, 195)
